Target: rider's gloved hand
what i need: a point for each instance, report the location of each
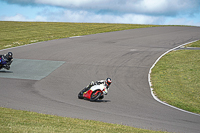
(92, 83)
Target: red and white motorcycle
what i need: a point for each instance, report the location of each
(94, 93)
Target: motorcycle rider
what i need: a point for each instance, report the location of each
(106, 82)
(8, 59)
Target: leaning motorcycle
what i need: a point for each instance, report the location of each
(3, 63)
(94, 93)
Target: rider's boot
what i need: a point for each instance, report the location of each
(101, 97)
(7, 67)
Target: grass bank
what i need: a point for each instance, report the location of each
(24, 121)
(194, 44)
(176, 78)
(14, 34)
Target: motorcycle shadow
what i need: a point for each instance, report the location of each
(98, 101)
(3, 71)
(104, 101)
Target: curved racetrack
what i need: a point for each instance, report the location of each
(46, 78)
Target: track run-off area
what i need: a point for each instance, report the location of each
(46, 77)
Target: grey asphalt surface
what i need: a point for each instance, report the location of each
(124, 56)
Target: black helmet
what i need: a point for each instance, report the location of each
(9, 55)
(108, 81)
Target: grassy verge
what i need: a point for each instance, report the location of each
(24, 121)
(14, 34)
(195, 44)
(176, 79)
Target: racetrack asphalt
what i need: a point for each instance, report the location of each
(125, 56)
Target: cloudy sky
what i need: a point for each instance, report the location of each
(162, 12)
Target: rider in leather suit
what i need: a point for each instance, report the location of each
(8, 59)
(106, 82)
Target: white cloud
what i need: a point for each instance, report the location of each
(17, 17)
(85, 16)
(111, 11)
(20, 17)
(148, 7)
(182, 21)
(75, 3)
(39, 18)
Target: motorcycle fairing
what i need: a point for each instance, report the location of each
(87, 94)
(97, 87)
(92, 89)
(2, 62)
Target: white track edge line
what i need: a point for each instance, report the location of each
(19, 46)
(150, 84)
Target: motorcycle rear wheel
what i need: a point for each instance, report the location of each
(95, 97)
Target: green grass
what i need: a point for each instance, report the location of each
(24, 121)
(14, 34)
(176, 79)
(195, 44)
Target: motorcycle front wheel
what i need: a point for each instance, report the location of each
(80, 94)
